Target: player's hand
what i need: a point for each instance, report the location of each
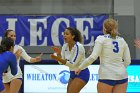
(18, 53)
(77, 71)
(56, 50)
(55, 57)
(38, 58)
(137, 43)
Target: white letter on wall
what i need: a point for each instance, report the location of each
(12, 25)
(80, 25)
(55, 28)
(34, 33)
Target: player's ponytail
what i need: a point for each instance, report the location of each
(113, 33)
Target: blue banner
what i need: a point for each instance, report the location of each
(48, 30)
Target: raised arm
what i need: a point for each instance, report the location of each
(30, 59)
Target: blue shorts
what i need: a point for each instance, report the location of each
(84, 75)
(1, 86)
(113, 82)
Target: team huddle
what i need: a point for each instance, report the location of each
(111, 49)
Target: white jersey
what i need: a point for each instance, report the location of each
(7, 77)
(74, 57)
(114, 57)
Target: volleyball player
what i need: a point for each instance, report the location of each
(72, 55)
(7, 59)
(114, 59)
(13, 83)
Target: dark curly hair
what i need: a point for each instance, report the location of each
(76, 33)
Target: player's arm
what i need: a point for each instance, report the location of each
(126, 55)
(30, 59)
(24, 55)
(94, 55)
(62, 55)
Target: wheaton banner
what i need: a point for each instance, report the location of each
(48, 30)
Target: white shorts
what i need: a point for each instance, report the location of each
(8, 77)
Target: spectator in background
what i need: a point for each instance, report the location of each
(13, 83)
(7, 59)
(114, 58)
(72, 55)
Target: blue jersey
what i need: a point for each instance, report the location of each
(7, 59)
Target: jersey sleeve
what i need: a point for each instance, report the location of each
(13, 63)
(95, 53)
(126, 55)
(24, 55)
(62, 53)
(79, 53)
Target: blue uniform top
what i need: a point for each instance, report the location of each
(8, 59)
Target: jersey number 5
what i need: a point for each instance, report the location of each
(116, 47)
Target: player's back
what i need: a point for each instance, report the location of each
(111, 57)
(7, 59)
(112, 49)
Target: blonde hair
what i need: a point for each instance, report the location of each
(110, 27)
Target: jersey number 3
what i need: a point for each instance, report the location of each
(116, 47)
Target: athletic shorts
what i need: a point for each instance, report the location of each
(113, 82)
(1, 86)
(15, 78)
(84, 75)
(20, 79)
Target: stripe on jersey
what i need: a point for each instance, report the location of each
(76, 52)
